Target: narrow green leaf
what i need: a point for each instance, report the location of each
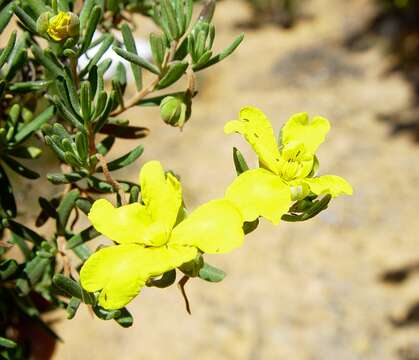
(35, 124)
(84, 236)
(7, 199)
(108, 40)
(7, 343)
(8, 268)
(65, 208)
(126, 159)
(4, 55)
(105, 145)
(226, 52)
(35, 268)
(72, 307)
(26, 19)
(173, 74)
(19, 168)
(72, 288)
(45, 61)
(133, 58)
(84, 205)
(28, 86)
(158, 48)
(65, 178)
(129, 43)
(6, 14)
(92, 22)
(85, 13)
(24, 232)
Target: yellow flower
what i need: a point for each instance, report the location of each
(63, 26)
(151, 237)
(286, 170)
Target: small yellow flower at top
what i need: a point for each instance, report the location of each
(63, 26)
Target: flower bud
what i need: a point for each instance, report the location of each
(175, 110)
(64, 25)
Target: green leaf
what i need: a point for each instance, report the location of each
(7, 343)
(24, 232)
(105, 145)
(107, 42)
(35, 268)
(239, 161)
(86, 13)
(65, 208)
(226, 52)
(26, 19)
(29, 86)
(134, 194)
(16, 64)
(4, 55)
(133, 58)
(84, 205)
(7, 199)
(72, 307)
(34, 124)
(126, 159)
(46, 62)
(72, 288)
(19, 168)
(83, 252)
(173, 74)
(8, 268)
(103, 117)
(211, 273)
(25, 152)
(158, 48)
(92, 23)
(169, 17)
(6, 14)
(129, 43)
(84, 236)
(64, 178)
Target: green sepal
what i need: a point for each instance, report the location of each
(239, 161)
(211, 273)
(167, 279)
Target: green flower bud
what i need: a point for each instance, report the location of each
(175, 110)
(63, 26)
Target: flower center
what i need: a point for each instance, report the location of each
(295, 161)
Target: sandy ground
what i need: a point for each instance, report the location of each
(310, 290)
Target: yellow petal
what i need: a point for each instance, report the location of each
(215, 227)
(161, 194)
(299, 128)
(257, 130)
(126, 224)
(329, 184)
(120, 271)
(116, 271)
(260, 193)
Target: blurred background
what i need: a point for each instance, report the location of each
(340, 286)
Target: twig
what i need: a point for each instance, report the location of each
(181, 284)
(115, 184)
